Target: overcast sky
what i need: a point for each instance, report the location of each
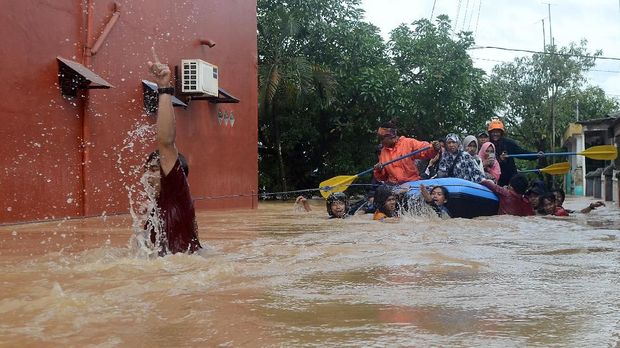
(518, 24)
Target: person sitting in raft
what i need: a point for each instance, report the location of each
(337, 205)
(395, 146)
(549, 205)
(560, 196)
(511, 199)
(489, 163)
(386, 202)
(178, 231)
(456, 163)
(471, 147)
(437, 199)
(505, 147)
(483, 138)
(430, 171)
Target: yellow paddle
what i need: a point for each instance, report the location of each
(601, 152)
(342, 182)
(554, 169)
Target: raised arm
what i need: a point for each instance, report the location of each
(166, 128)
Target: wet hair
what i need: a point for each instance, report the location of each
(548, 196)
(336, 197)
(537, 187)
(519, 184)
(443, 189)
(560, 192)
(155, 156)
(382, 194)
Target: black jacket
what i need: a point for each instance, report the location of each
(508, 167)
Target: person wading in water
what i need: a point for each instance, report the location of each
(173, 227)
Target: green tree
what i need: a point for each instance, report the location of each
(442, 91)
(541, 93)
(323, 82)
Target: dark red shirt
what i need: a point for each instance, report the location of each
(510, 202)
(177, 214)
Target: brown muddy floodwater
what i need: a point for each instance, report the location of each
(276, 277)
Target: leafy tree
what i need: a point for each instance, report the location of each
(540, 93)
(442, 91)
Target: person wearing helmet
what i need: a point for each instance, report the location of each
(386, 201)
(395, 146)
(504, 147)
(337, 205)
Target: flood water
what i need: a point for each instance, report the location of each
(277, 277)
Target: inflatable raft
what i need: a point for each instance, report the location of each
(466, 199)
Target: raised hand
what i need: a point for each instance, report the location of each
(161, 72)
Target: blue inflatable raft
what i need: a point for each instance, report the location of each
(466, 199)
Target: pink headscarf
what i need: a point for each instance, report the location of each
(494, 170)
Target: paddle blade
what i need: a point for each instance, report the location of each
(336, 184)
(557, 168)
(601, 152)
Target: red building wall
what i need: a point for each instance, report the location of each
(41, 131)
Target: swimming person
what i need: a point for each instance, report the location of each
(176, 230)
(437, 199)
(511, 198)
(386, 201)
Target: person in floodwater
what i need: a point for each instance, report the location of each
(534, 192)
(549, 205)
(337, 205)
(386, 201)
(560, 196)
(395, 146)
(511, 199)
(178, 231)
(437, 199)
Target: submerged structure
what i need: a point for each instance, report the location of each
(77, 113)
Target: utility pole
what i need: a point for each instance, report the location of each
(577, 111)
(544, 38)
(552, 84)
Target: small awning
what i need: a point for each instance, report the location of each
(73, 76)
(222, 97)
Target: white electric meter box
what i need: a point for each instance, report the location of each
(199, 77)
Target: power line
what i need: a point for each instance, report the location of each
(539, 52)
(433, 10)
(478, 17)
(506, 61)
(458, 13)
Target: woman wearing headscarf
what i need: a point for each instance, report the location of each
(470, 145)
(456, 163)
(491, 166)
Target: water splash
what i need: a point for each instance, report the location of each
(142, 197)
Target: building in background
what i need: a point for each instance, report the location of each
(588, 176)
(66, 156)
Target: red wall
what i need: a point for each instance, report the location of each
(41, 156)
